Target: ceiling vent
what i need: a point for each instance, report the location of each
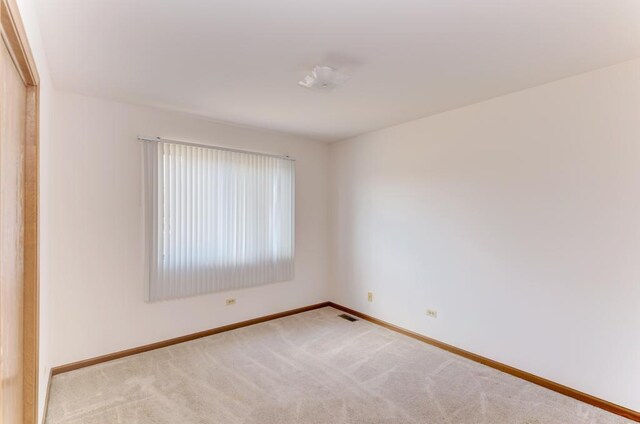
(323, 78)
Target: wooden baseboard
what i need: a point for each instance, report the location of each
(188, 337)
(567, 391)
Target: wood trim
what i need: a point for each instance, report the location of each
(157, 345)
(548, 384)
(14, 35)
(31, 314)
(556, 387)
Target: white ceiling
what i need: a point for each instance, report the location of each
(240, 60)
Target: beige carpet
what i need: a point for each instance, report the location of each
(308, 368)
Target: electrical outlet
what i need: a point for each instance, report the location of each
(231, 301)
(432, 313)
(370, 296)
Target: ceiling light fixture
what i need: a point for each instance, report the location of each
(323, 78)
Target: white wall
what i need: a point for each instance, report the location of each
(27, 9)
(96, 266)
(518, 219)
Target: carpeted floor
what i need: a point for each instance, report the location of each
(308, 368)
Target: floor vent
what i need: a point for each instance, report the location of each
(348, 317)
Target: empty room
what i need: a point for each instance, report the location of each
(323, 212)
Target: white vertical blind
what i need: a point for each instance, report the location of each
(216, 220)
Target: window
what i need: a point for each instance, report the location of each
(216, 219)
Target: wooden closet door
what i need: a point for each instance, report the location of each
(13, 102)
(19, 289)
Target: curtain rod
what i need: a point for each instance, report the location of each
(209, 146)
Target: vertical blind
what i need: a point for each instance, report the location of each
(216, 220)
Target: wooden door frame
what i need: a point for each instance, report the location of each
(14, 36)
